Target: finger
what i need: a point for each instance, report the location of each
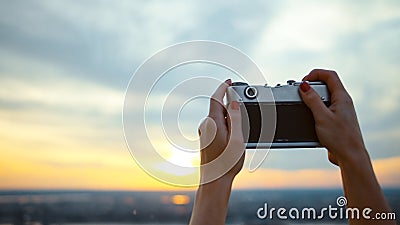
(313, 101)
(235, 122)
(329, 77)
(217, 108)
(207, 132)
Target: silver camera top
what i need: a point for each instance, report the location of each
(243, 92)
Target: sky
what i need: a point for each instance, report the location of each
(65, 67)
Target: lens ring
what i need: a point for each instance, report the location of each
(250, 92)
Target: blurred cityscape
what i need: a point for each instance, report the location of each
(107, 207)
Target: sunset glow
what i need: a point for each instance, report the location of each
(64, 70)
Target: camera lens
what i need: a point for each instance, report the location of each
(250, 92)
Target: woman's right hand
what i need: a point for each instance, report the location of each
(338, 130)
(336, 126)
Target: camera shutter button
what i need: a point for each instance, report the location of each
(291, 82)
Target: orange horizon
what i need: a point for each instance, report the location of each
(44, 157)
(132, 178)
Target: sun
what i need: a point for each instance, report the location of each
(184, 158)
(178, 162)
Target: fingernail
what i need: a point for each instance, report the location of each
(228, 82)
(235, 105)
(304, 86)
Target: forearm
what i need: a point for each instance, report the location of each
(361, 187)
(211, 202)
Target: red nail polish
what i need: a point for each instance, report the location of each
(304, 86)
(235, 105)
(228, 82)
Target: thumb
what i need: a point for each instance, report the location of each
(313, 101)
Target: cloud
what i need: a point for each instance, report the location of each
(64, 67)
(311, 34)
(386, 171)
(99, 43)
(296, 26)
(359, 41)
(62, 95)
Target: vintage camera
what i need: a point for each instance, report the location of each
(276, 117)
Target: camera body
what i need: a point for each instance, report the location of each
(276, 117)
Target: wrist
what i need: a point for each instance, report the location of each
(210, 176)
(354, 158)
(211, 202)
(224, 182)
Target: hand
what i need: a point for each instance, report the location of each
(221, 139)
(336, 126)
(338, 130)
(222, 157)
